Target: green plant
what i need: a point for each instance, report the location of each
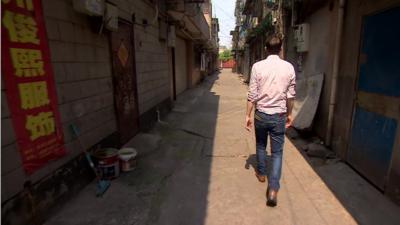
(225, 55)
(265, 27)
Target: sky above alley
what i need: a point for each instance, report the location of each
(224, 11)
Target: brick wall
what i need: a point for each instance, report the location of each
(152, 66)
(151, 57)
(82, 72)
(82, 68)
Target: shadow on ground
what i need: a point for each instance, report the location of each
(170, 183)
(182, 198)
(196, 167)
(363, 201)
(252, 161)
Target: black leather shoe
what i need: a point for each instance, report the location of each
(272, 198)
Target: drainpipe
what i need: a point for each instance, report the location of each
(156, 13)
(335, 71)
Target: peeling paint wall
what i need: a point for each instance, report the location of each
(319, 60)
(349, 68)
(36, 201)
(348, 75)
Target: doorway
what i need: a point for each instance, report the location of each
(124, 80)
(181, 70)
(172, 72)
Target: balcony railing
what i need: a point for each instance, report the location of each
(192, 16)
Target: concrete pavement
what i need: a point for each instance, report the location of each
(197, 167)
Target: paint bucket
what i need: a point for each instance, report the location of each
(128, 159)
(107, 162)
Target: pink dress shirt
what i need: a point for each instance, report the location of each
(272, 82)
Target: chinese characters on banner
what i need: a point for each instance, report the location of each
(29, 83)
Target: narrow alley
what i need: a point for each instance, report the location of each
(160, 112)
(196, 167)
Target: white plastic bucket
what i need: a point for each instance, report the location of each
(127, 157)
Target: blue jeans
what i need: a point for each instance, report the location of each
(274, 126)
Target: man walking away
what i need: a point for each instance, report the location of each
(271, 92)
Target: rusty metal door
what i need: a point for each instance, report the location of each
(375, 118)
(124, 79)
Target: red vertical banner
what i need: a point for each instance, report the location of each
(29, 83)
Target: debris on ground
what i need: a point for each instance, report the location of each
(316, 140)
(292, 133)
(319, 151)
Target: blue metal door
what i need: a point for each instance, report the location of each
(374, 126)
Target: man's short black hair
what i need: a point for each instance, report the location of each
(274, 44)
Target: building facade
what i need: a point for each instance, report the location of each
(111, 79)
(354, 56)
(255, 21)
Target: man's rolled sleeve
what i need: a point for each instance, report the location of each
(252, 95)
(291, 93)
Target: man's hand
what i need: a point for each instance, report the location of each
(249, 123)
(289, 121)
(249, 120)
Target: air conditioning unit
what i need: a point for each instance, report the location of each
(302, 36)
(111, 17)
(89, 7)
